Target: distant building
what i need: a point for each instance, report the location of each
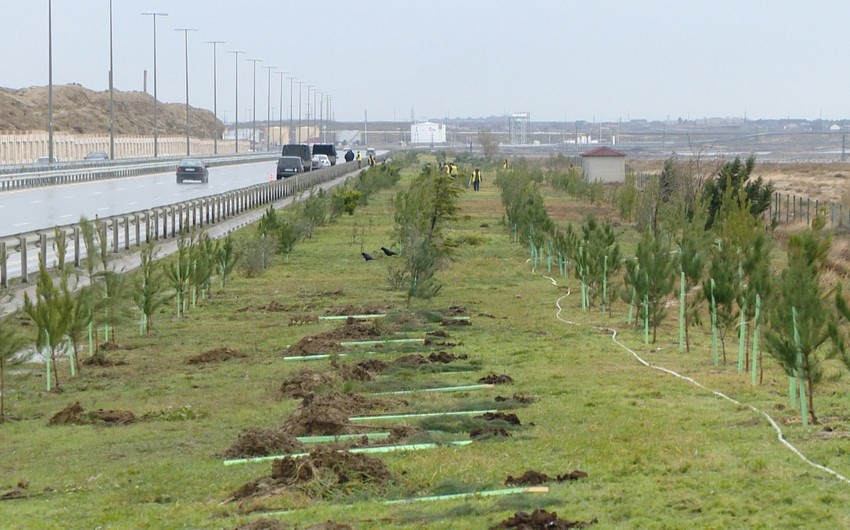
(428, 133)
(604, 164)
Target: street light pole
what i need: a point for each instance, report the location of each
(254, 106)
(186, 60)
(155, 102)
(321, 115)
(111, 93)
(50, 81)
(290, 137)
(215, 96)
(298, 135)
(309, 97)
(269, 107)
(280, 115)
(236, 110)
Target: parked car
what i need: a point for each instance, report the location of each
(320, 161)
(192, 169)
(96, 155)
(299, 150)
(45, 160)
(288, 166)
(326, 149)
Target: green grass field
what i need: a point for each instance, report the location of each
(659, 452)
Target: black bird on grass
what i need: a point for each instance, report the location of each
(389, 252)
(367, 257)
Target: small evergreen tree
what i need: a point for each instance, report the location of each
(49, 311)
(12, 352)
(651, 277)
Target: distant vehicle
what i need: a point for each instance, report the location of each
(96, 155)
(320, 161)
(300, 150)
(326, 149)
(45, 160)
(371, 152)
(288, 166)
(192, 169)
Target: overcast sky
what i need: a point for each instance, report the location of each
(559, 60)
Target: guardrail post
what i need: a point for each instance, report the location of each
(194, 207)
(155, 213)
(137, 222)
(126, 220)
(23, 243)
(42, 242)
(173, 219)
(201, 203)
(147, 227)
(208, 203)
(165, 223)
(4, 273)
(115, 247)
(180, 218)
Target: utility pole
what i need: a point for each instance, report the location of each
(186, 58)
(215, 96)
(236, 110)
(254, 107)
(155, 100)
(268, 107)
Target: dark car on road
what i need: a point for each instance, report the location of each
(300, 150)
(96, 155)
(288, 166)
(192, 169)
(326, 149)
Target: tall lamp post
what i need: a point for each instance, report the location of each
(236, 110)
(280, 115)
(291, 136)
(309, 97)
(215, 96)
(254, 106)
(298, 135)
(155, 102)
(269, 107)
(321, 115)
(111, 93)
(50, 81)
(186, 60)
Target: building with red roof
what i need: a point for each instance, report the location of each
(605, 164)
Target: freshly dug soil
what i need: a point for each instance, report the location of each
(401, 434)
(273, 307)
(262, 442)
(355, 329)
(264, 524)
(411, 359)
(327, 414)
(507, 417)
(353, 372)
(109, 345)
(494, 379)
(74, 414)
(519, 398)
(535, 478)
(454, 323)
(344, 310)
(333, 468)
(374, 366)
(438, 333)
(313, 345)
(306, 382)
(540, 519)
(455, 311)
(484, 433)
(298, 319)
(446, 357)
(215, 355)
(99, 359)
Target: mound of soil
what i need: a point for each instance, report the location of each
(438, 333)
(508, 417)
(353, 372)
(540, 519)
(345, 310)
(332, 468)
(535, 478)
(429, 341)
(411, 359)
(313, 345)
(299, 319)
(484, 433)
(74, 414)
(401, 434)
(264, 524)
(99, 359)
(215, 355)
(355, 329)
(446, 357)
(494, 379)
(455, 323)
(109, 345)
(272, 307)
(306, 382)
(262, 442)
(455, 311)
(327, 414)
(374, 366)
(519, 398)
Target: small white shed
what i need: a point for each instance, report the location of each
(605, 164)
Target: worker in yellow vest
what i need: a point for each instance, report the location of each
(505, 164)
(476, 179)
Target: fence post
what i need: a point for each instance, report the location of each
(42, 242)
(23, 243)
(4, 273)
(77, 251)
(126, 220)
(138, 229)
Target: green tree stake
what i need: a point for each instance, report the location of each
(714, 326)
(801, 385)
(792, 389)
(549, 260)
(742, 337)
(605, 285)
(91, 338)
(516, 234)
(47, 363)
(646, 320)
(142, 325)
(632, 308)
(682, 313)
(72, 359)
(756, 338)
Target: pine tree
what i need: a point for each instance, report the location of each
(651, 276)
(12, 345)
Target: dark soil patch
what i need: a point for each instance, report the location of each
(535, 478)
(455, 311)
(446, 357)
(264, 524)
(262, 442)
(332, 468)
(494, 379)
(484, 433)
(353, 372)
(329, 341)
(411, 359)
(109, 345)
(74, 414)
(273, 307)
(374, 366)
(299, 319)
(401, 434)
(346, 310)
(438, 333)
(327, 414)
(455, 323)
(99, 359)
(540, 519)
(216, 355)
(507, 417)
(519, 398)
(313, 345)
(429, 341)
(306, 382)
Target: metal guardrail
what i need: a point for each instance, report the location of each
(121, 232)
(85, 172)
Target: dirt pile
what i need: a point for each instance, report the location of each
(306, 382)
(329, 341)
(327, 414)
(330, 468)
(485, 433)
(519, 398)
(494, 379)
(535, 478)
(83, 111)
(101, 360)
(74, 414)
(508, 417)
(216, 355)
(262, 442)
(540, 519)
